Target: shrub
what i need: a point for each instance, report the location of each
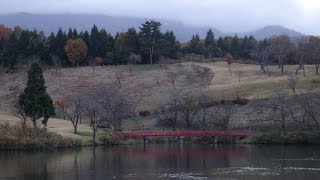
(295, 137)
(315, 80)
(17, 138)
(209, 103)
(144, 113)
(240, 101)
(110, 140)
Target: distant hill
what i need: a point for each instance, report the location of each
(269, 31)
(113, 24)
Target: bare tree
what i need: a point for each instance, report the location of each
(262, 54)
(57, 65)
(221, 115)
(172, 77)
(130, 69)
(281, 46)
(302, 51)
(168, 113)
(189, 109)
(239, 73)
(92, 62)
(19, 112)
(315, 46)
(203, 73)
(119, 76)
(134, 58)
(56, 61)
(282, 111)
(93, 110)
(309, 104)
(204, 113)
(292, 82)
(74, 113)
(115, 107)
(163, 62)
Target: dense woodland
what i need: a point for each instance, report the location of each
(147, 45)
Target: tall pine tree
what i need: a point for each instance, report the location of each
(209, 44)
(150, 35)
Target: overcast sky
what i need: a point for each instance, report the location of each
(226, 15)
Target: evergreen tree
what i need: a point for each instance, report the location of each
(132, 40)
(150, 35)
(95, 41)
(87, 40)
(10, 53)
(121, 48)
(170, 46)
(58, 45)
(235, 47)
(35, 101)
(195, 46)
(209, 44)
(75, 33)
(70, 33)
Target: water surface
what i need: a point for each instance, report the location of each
(171, 161)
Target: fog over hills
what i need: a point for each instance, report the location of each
(113, 24)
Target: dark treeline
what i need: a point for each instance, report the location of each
(147, 45)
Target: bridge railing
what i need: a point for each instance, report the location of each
(137, 134)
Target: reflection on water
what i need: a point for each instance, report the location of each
(171, 161)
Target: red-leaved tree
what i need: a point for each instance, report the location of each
(5, 32)
(229, 60)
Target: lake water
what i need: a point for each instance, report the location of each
(170, 161)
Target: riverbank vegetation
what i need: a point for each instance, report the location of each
(14, 137)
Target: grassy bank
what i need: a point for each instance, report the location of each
(293, 137)
(16, 138)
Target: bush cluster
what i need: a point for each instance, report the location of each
(210, 103)
(298, 137)
(144, 113)
(26, 138)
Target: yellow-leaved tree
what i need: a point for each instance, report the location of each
(76, 50)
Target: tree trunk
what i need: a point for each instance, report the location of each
(151, 54)
(262, 68)
(75, 129)
(175, 121)
(34, 122)
(187, 120)
(230, 70)
(283, 125)
(94, 135)
(298, 69)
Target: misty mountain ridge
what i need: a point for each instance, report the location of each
(113, 24)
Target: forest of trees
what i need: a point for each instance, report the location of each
(148, 45)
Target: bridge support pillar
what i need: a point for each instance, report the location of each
(145, 140)
(214, 140)
(181, 139)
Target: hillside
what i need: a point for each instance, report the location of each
(148, 85)
(269, 31)
(113, 24)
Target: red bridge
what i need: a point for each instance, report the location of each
(140, 134)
